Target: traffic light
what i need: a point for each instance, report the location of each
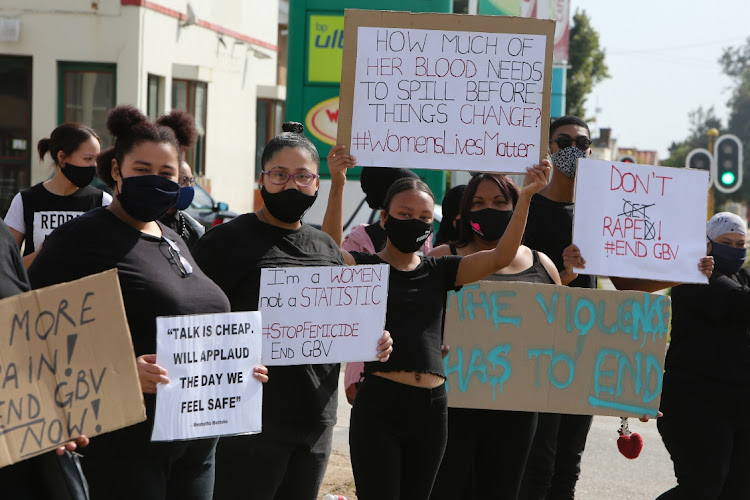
(728, 161)
(701, 159)
(627, 159)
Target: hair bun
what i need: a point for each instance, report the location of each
(123, 118)
(295, 127)
(183, 125)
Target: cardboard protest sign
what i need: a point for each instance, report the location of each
(641, 221)
(314, 315)
(209, 360)
(555, 349)
(67, 366)
(445, 91)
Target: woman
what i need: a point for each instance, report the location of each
(370, 238)
(158, 277)
(399, 419)
(288, 459)
(448, 230)
(487, 450)
(35, 212)
(708, 368)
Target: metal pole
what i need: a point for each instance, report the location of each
(712, 134)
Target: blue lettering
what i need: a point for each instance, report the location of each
(652, 366)
(598, 373)
(583, 302)
(457, 368)
(495, 357)
(548, 311)
(496, 307)
(571, 370)
(635, 372)
(536, 353)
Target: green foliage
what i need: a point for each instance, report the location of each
(587, 64)
(735, 62)
(700, 122)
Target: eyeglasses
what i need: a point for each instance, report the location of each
(187, 181)
(173, 256)
(582, 142)
(279, 177)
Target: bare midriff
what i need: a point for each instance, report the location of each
(415, 379)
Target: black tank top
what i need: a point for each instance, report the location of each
(537, 273)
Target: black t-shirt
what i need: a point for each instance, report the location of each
(549, 229)
(44, 211)
(152, 284)
(233, 254)
(711, 329)
(415, 313)
(13, 278)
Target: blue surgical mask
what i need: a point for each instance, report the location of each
(185, 198)
(728, 259)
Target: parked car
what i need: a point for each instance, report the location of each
(207, 211)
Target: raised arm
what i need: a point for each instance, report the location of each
(333, 221)
(481, 264)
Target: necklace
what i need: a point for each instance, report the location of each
(183, 229)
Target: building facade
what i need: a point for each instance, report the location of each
(73, 60)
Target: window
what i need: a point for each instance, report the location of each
(155, 97)
(86, 94)
(269, 117)
(192, 96)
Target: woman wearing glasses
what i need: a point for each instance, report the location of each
(288, 459)
(158, 278)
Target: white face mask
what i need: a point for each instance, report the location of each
(566, 160)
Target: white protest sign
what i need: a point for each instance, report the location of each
(641, 221)
(209, 360)
(474, 96)
(314, 315)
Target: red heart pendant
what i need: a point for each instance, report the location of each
(630, 445)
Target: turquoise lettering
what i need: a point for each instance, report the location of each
(598, 373)
(496, 357)
(501, 306)
(548, 311)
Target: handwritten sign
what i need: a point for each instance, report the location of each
(67, 366)
(550, 348)
(641, 221)
(209, 360)
(314, 315)
(446, 92)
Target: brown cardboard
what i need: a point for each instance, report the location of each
(75, 372)
(354, 18)
(523, 326)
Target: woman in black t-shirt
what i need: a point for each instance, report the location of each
(287, 461)
(158, 277)
(487, 449)
(707, 370)
(35, 212)
(399, 419)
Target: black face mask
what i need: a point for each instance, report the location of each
(148, 197)
(407, 235)
(489, 223)
(79, 176)
(288, 205)
(728, 259)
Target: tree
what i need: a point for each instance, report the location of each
(700, 122)
(735, 62)
(587, 65)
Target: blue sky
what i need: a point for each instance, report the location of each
(663, 58)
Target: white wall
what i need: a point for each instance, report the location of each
(142, 41)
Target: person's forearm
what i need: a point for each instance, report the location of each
(333, 221)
